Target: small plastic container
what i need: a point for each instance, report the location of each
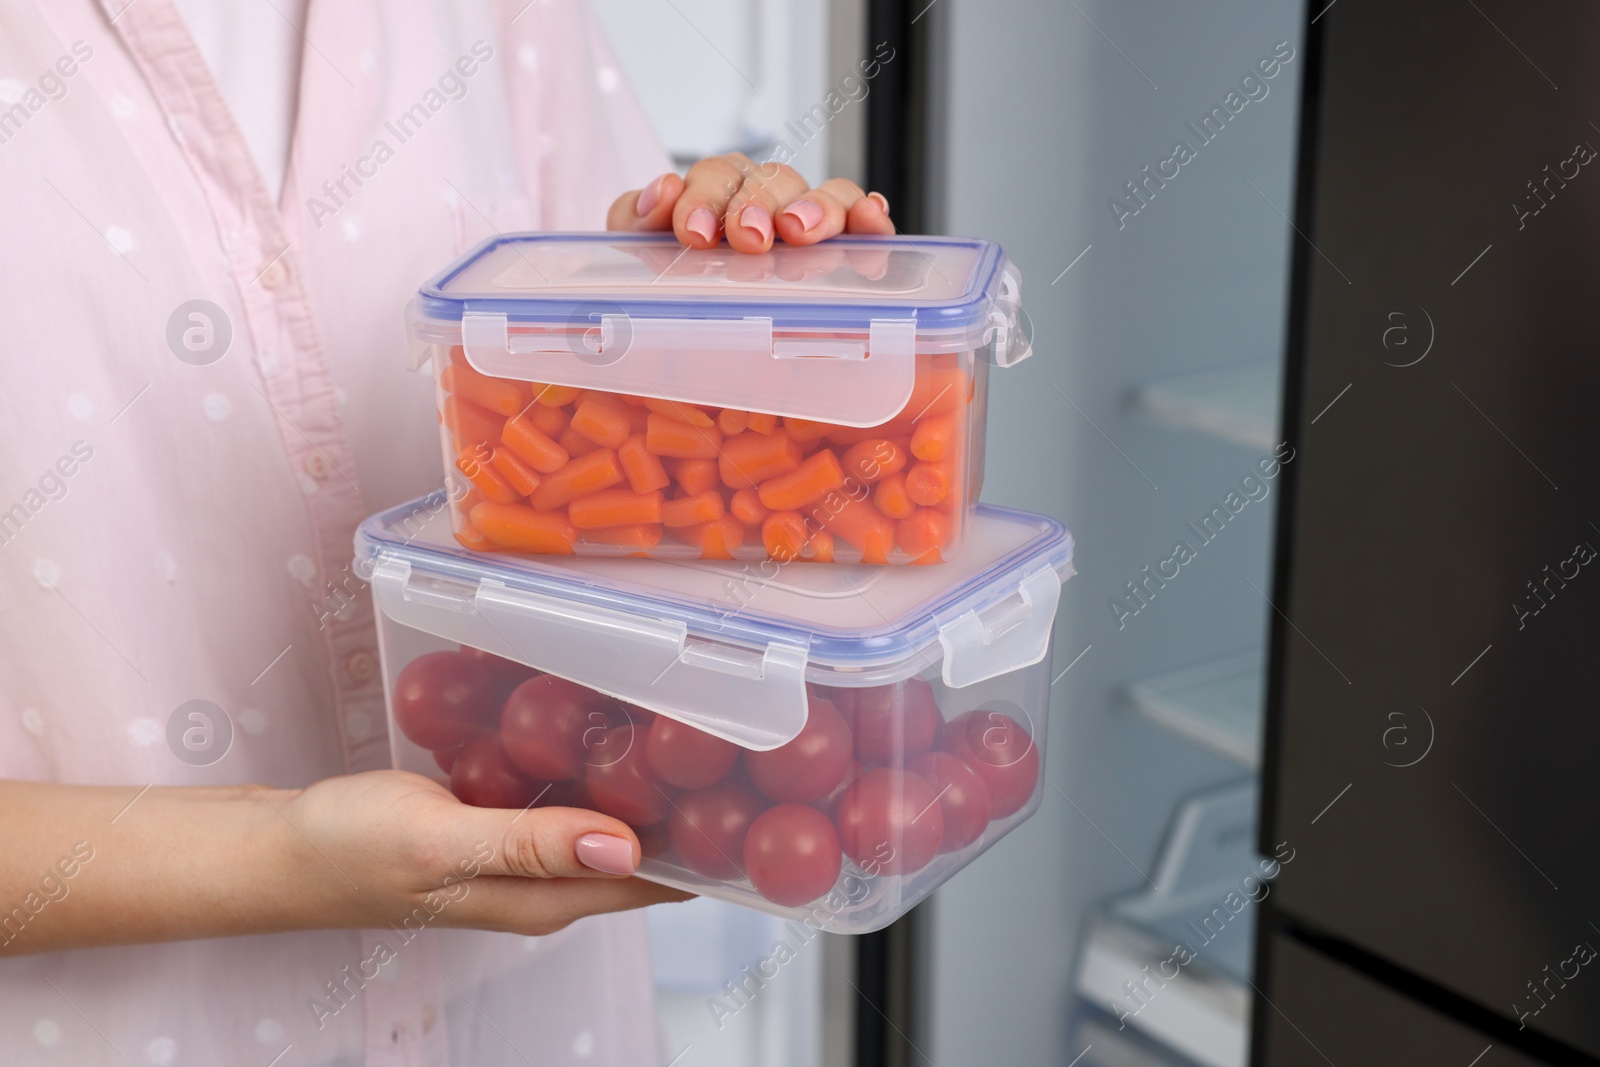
(823, 743)
(618, 394)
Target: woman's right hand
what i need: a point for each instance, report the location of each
(389, 845)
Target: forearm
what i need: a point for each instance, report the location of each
(103, 865)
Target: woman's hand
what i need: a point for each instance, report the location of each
(752, 204)
(107, 865)
(413, 850)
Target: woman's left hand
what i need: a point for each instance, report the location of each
(752, 204)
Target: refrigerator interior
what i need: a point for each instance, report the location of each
(1158, 332)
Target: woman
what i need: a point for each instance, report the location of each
(215, 214)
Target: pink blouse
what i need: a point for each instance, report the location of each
(176, 518)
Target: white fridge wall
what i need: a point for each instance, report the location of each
(1048, 118)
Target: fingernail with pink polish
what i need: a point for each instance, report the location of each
(759, 219)
(703, 223)
(882, 202)
(806, 212)
(605, 853)
(649, 197)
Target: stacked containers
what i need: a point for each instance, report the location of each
(824, 743)
(619, 394)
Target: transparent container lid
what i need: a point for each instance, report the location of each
(727, 646)
(843, 283)
(830, 332)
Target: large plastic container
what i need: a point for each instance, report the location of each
(618, 394)
(824, 743)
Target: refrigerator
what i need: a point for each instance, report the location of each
(1432, 666)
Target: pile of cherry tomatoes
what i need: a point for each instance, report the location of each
(876, 775)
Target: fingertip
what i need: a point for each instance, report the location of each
(698, 228)
(608, 853)
(750, 230)
(868, 217)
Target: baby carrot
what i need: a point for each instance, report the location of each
(672, 409)
(555, 396)
(731, 421)
(522, 528)
(634, 535)
(746, 506)
(614, 507)
(473, 461)
(580, 477)
(550, 421)
(643, 467)
(521, 477)
(694, 476)
(692, 510)
(925, 531)
(814, 479)
(890, 496)
(575, 442)
(784, 535)
(751, 458)
(500, 395)
(899, 426)
(471, 537)
(860, 524)
(601, 421)
(937, 390)
(929, 483)
(721, 538)
(873, 460)
(532, 445)
(820, 548)
(805, 430)
(470, 423)
(935, 437)
(666, 436)
(761, 422)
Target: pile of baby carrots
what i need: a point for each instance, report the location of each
(558, 469)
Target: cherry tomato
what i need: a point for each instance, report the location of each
(829, 805)
(620, 782)
(1001, 751)
(808, 766)
(890, 822)
(446, 757)
(443, 699)
(507, 673)
(547, 722)
(708, 827)
(484, 777)
(792, 854)
(571, 794)
(686, 757)
(653, 841)
(963, 797)
(895, 723)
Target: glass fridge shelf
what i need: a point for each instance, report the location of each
(1238, 404)
(1218, 705)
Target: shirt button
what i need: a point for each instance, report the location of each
(316, 465)
(274, 275)
(361, 667)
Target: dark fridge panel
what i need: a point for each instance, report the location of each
(1434, 724)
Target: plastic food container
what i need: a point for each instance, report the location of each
(618, 394)
(823, 743)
